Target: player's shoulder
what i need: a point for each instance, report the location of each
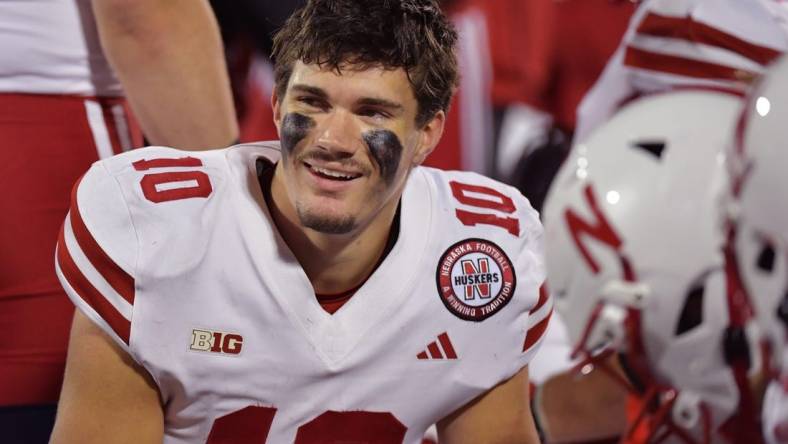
(478, 206)
(160, 196)
(160, 179)
(148, 180)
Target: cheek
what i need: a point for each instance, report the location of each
(386, 150)
(294, 128)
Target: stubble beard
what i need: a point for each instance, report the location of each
(324, 223)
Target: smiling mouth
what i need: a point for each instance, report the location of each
(331, 174)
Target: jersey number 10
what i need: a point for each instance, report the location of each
(484, 197)
(173, 185)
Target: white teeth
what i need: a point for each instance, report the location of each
(331, 173)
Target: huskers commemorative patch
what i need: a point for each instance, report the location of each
(475, 279)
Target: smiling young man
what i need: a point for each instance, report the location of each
(320, 289)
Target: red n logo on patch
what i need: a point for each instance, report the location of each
(470, 272)
(599, 229)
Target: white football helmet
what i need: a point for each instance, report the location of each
(757, 209)
(635, 262)
(757, 212)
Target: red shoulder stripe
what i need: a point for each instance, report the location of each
(121, 281)
(536, 332)
(683, 66)
(685, 28)
(543, 296)
(88, 293)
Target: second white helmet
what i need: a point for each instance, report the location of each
(635, 259)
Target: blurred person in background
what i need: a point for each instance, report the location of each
(65, 67)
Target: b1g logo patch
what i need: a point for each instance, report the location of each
(475, 279)
(216, 342)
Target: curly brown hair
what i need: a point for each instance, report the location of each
(357, 34)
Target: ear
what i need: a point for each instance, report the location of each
(277, 108)
(430, 136)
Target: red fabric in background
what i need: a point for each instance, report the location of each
(45, 145)
(448, 155)
(520, 42)
(548, 53)
(257, 121)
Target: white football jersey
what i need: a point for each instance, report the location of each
(175, 256)
(687, 43)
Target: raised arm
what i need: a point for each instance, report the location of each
(169, 57)
(500, 416)
(106, 396)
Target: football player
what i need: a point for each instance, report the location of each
(636, 265)
(322, 289)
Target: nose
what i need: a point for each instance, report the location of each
(339, 133)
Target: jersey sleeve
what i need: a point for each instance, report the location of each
(477, 207)
(96, 253)
(531, 273)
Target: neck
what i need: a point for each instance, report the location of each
(333, 263)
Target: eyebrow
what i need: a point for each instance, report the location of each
(310, 90)
(366, 101)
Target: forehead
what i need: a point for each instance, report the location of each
(352, 83)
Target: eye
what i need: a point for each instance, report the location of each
(692, 313)
(374, 113)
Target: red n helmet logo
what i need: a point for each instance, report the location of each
(599, 229)
(469, 269)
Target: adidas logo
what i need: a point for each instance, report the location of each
(440, 349)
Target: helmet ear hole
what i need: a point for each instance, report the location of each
(692, 313)
(766, 258)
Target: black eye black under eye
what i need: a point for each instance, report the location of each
(766, 258)
(294, 128)
(386, 149)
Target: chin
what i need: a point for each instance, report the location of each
(327, 223)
